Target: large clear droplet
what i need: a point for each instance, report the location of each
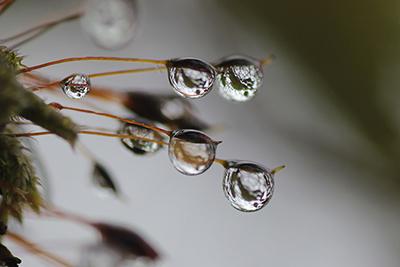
(140, 147)
(191, 152)
(248, 186)
(110, 24)
(191, 77)
(76, 86)
(240, 77)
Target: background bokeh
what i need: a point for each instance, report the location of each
(328, 110)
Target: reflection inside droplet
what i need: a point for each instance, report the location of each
(190, 77)
(110, 24)
(76, 86)
(191, 152)
(240, 78)
(248, 186)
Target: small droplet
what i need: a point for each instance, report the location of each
(110, 24)
(173, 108)
(76, 86)
(240, 77)
(140, 147)
(191, 77)
(248, 186)
(191, 152)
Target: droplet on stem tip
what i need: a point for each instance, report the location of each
(248, 186)
(191, 78)
(240, 77)
(140, 147)
(76, 86)
(191, 152)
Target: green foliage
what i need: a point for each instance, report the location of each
(18, 180)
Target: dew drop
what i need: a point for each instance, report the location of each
(248, 186)
(140, 147)
(191, 78)
(191, 152)
(110, 24)
(240, 77)
(174, 108)
(76, 86)
(99, 255)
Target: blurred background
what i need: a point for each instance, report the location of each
(328, 110)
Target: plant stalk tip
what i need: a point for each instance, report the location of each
(277, 169)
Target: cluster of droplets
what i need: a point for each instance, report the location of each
(238, 78)
(248, 186)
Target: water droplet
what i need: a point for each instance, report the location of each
(248, 186)
(173, 108)
(140, 147)
(110, 24)
(99, 255)
(191, 152)
(76, 86)
(191, 77)
(240, 77)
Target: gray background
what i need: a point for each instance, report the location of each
(327, 210)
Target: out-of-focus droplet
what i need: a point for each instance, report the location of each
(191, 152)
(248, 186)
(76, 86)
(99, 255)
(103, 179)
(191, 77)
(240, 77)
(140, 147)
(110, 24)
(173, 108)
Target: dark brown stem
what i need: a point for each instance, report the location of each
(59, 106)
(93, 133)
(36, 250)
(5, 2)
(42, 27)
(5, 6)
(267, 60)
(104, 74)
(74, 59)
